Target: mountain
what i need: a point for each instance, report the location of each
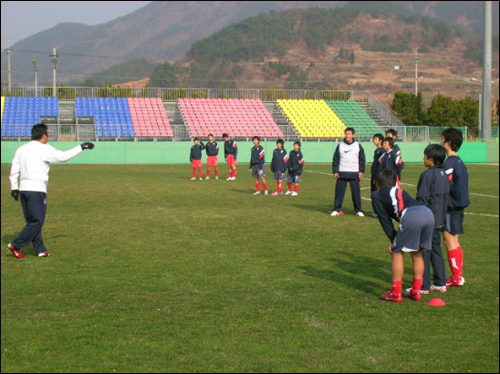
(164, 30)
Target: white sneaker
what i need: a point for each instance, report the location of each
(234, 178)
(266, 192)
(257, 193)
(294, 194)
(229, 179)
(192, 179)
(360, 214)
(335, 213)
(288, 192)
(207, 178)
(201, 179)
(423, 292)
(216, 177)
(438, 288)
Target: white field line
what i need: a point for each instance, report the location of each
(414, 185)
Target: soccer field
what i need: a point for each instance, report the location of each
(153, 272)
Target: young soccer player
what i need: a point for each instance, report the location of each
(377, 140)
(195, 157)
(391, 133)
(416, 224)
(295, 165)
(257, 160)
(230, 152)
(459, 200)
(212, 149)
(279, 165)
(390, 159)
(433, 190)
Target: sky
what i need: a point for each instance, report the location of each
(21, 19)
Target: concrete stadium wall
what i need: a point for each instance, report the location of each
(178, 152)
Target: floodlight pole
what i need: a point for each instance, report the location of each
(53, 62)
(36, 77)
(486, 108)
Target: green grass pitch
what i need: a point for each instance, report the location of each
(152, 272)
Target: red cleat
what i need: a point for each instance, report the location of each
(414, 295)
(451, 282)
(396, 298)
(17, 253)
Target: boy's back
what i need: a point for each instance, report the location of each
(459, 189)
(433, 191)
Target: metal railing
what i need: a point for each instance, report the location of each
(89, 132)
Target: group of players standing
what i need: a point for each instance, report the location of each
(283, 165)
(442, 196)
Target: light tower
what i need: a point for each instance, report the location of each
(53, 63)
(36, 77)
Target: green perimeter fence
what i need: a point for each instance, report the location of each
(178, 152)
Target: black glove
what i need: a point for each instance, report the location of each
(15, 194)
(87, 145)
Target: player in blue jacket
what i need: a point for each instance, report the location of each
(433, 190)
(378, 141)
(212, 149)
(416, 224)
(279, 165)
(230, 153)
(195, 157)
(295, 165)
(459, 200)
(391, 159)
(257, 160)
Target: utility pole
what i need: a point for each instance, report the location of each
(53, 62)
(416, 73)
(486, 117)
(36, 78)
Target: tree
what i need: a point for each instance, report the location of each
(443, 112)
(409, 108)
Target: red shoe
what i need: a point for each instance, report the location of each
(17, 253)
(451, 282)
(414, 295)
(44, 254)
(396, 298)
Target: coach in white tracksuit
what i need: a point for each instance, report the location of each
(348, 166)
(31, 165)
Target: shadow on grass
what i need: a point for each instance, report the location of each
(355, 271)
(28, 250)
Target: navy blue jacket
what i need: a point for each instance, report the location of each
(459, 189)
(377, 160)
(212, 149)
(391, 160)
(295, 163)
(389, 204)
(433, 190)
(196, 152)
(257, 157)
(230, 148)
(279, 161)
